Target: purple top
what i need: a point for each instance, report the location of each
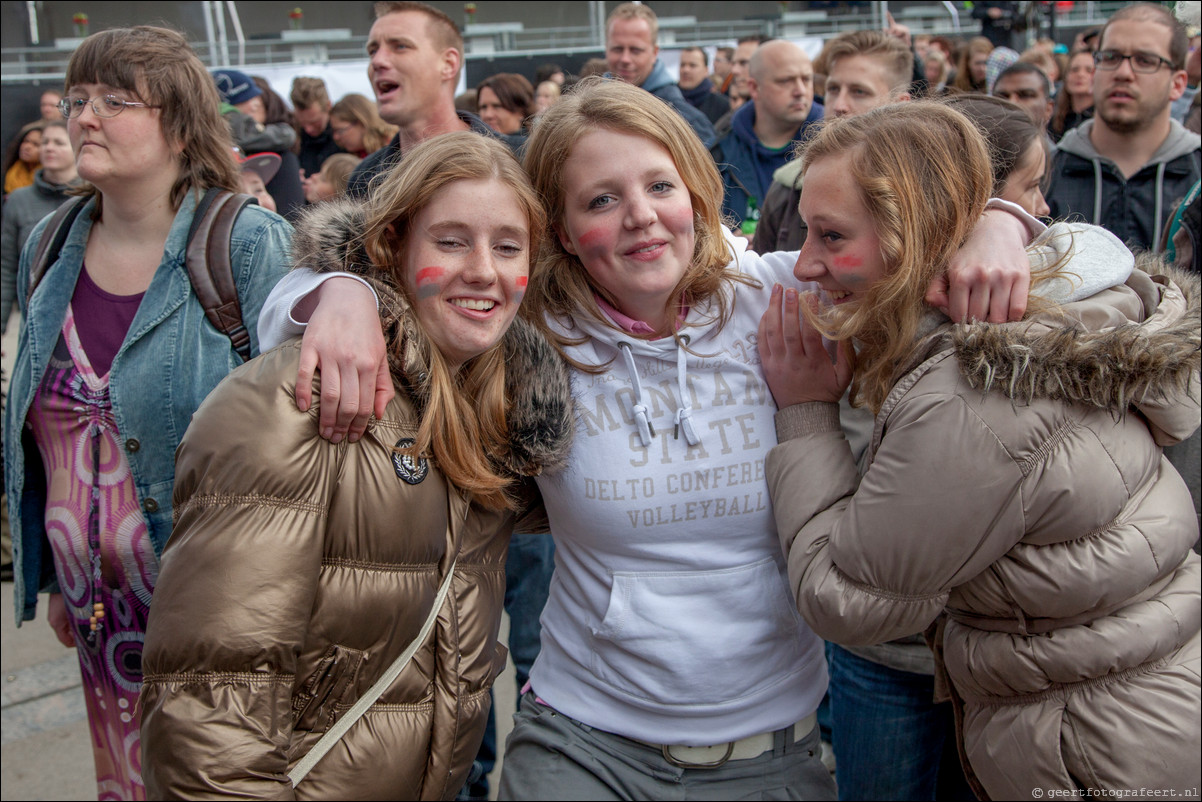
(102, 320)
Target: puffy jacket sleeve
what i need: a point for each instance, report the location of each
(238, 580)
(872, 563)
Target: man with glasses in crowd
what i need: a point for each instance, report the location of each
(1126, 168)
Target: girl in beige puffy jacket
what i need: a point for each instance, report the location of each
(299, 569)
(1014, 490)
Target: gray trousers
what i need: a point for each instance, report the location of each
(551, 756)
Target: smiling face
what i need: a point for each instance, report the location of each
(629, 49)
(1024, 184)
(842, 251)
(465, 266)
(1127, 101)
(495, 115)
(629, 221)
(115, 152)
(407, 67)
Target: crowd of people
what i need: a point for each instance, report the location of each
(787, 401)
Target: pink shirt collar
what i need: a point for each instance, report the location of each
(629, 324)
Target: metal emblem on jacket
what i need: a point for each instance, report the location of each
(411, 470)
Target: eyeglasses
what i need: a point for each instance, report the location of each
(103, 106)
(342, 129)
(1146, 63)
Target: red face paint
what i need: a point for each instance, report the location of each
(848, 261)
(591, 238)
(427, 281)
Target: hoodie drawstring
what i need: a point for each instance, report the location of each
(646, 431)
(1158, 228)
(684, 410)
(1097, 192)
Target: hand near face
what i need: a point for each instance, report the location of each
(794, 358)
(990, 276)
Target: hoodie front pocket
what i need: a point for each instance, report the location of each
(328, 690)
(698, 637)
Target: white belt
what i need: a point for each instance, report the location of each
(710, 757)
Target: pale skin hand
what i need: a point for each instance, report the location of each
(990, 276)
(795, 362)
(896, 29)
(60, 620)
(344, 340)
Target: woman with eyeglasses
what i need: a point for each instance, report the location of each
(357, 126)
(115, 355)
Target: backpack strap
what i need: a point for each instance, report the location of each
(53, 236)
(209, 267)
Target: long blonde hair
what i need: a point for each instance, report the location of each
(924, 175)
(559, 284)
(464, 423)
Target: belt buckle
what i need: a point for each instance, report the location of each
(667, 753)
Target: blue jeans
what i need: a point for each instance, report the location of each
(891, 740)
(528, 570)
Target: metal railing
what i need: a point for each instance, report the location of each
(25, 64)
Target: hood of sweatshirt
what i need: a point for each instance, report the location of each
(1179, 142)
(658, 78)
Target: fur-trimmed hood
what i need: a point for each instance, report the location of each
(1148, 362)
(329, 238)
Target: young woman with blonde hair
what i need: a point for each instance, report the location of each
(357, 126)
(1014, 492)
(316, 565)
(669, 649)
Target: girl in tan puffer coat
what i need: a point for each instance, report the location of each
(1014, 489)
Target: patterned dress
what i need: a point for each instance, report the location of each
(102, 553)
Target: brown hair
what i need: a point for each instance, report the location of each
(159, 68)
(635, 11)
(705, 59)
(924, 176)
(442, 28)
(963, 81)
(306, 91)
(1064, 102)
(895, 56)
(357, 109)
(1151, 12)
(513, 91)
(560, 284)
(463, 424)
(1007, 128)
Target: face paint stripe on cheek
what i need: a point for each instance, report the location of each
(427, 282)
(848, 261)
(520, 288)
(591, 238)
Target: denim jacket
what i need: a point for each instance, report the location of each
(172, 357)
